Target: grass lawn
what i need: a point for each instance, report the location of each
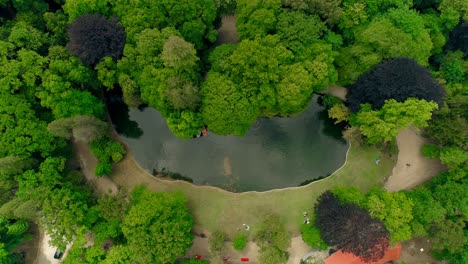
(214, 209)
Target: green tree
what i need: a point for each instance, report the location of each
(449, 235)
(119, 254)
(256, 18)
(81, 128)
(224, 109)
(339, 112)
(273, 240)
(395, 210)
(384, 124)
(22, 133)
(179, 54)
(157, 227)
(217, 242)
(239, 242)
(426, 211)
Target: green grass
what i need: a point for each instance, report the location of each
(215, 209)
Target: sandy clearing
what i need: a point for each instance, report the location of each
(227, 33)
(412, 168)
(45, 254)
(297, 250)
(338, 91)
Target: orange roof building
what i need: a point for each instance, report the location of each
(340, 257)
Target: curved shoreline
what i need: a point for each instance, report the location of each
(129, 156)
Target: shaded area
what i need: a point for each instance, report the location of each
(118, 111)
(275, 153)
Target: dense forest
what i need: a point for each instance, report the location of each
(404, 63)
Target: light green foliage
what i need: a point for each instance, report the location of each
(179, 54)
(311, 236)
(395, 210)
(64, 206)
(339, 112)
(453, 157)
(273, 240)
(22, 133)
(21, 73)
(216, 241)
(224, 109)
(453, 197)
(433, 23)
(297, 30)
(192, 18)
(458, 7)
(294, 90)
(23, 35)
(107, 72)
(256, 18)
(118, 254)
(350, 195)
(384, 124)
(239, 242)
(18, 228)
(185, 124)
(57, 23)
(77, 8)
(82, 128)
(330, 11)
(106, 151)
(399, 32)
(103, 168)
(157, 227)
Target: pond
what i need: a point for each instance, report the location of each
(275, 153)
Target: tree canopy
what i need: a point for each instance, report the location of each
(337, 223)
(93, 37)
(397, 79)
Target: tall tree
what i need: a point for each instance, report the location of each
(384, 124)
(337, 223)
(397, 79)
(81, 128)
(93, 37)
(157, 227)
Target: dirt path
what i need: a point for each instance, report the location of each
(297, 250)
(337, 91)
(87, 162)
(227, 33)
(412, 168)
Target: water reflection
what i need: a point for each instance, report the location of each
(275, 153)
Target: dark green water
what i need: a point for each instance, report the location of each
(275, 153)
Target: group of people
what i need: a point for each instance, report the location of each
(306, 220)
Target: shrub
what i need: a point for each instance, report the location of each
(107, 150)
(430, 151)
(311, 236)
(217, 242)
(329, 101)
(103, 168)
(240, 241)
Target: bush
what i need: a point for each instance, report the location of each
(93, 37)
(328, 101)
(311, 236)
(430, 151)
(106, 150)
(217, 242)
(240, 241)
(103, 168)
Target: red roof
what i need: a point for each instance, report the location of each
(340, 257)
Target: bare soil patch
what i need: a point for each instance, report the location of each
(227, 33)
(412, 168)
(338, 91)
